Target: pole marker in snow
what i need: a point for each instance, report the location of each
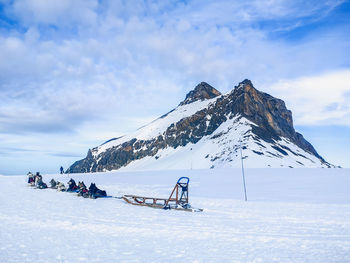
(245, 190)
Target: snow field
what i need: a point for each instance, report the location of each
(292, 215)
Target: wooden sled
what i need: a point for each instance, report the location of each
(178, 199)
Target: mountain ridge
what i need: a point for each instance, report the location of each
(201, 92)
(204, 111)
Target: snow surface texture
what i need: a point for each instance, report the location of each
(292, 215)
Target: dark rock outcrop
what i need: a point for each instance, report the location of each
(273, 121)
(82, 166)
(202, 91)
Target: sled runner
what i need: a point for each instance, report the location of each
(178, 199)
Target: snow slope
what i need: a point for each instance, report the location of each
(292, 215)
(158, 126)
(222, 149)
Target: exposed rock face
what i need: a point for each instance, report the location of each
(273, 121)
(84, 165)
(201, 92)
(269, 113)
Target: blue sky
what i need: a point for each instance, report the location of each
(74, 73)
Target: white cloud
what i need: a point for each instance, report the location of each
(67, 67)
(62, 12)
(117, 64)
(317, 100)
(124, 57)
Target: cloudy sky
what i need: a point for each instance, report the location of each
(74, 73)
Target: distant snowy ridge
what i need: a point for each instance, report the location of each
(156, 127)
(207, 130)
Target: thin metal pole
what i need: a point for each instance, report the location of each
(245, 190)
(191, 158)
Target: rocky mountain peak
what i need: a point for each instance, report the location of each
(202, 91)
(263, 109)
(262, 121)
(271, 115)
(247, 84)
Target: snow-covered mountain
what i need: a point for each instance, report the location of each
(207, 130)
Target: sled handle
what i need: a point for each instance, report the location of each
(183, 178)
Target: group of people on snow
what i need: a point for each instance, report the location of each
(80, 188)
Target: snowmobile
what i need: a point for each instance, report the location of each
(178, 199)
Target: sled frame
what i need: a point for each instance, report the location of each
(177, 200)
(180, 189)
